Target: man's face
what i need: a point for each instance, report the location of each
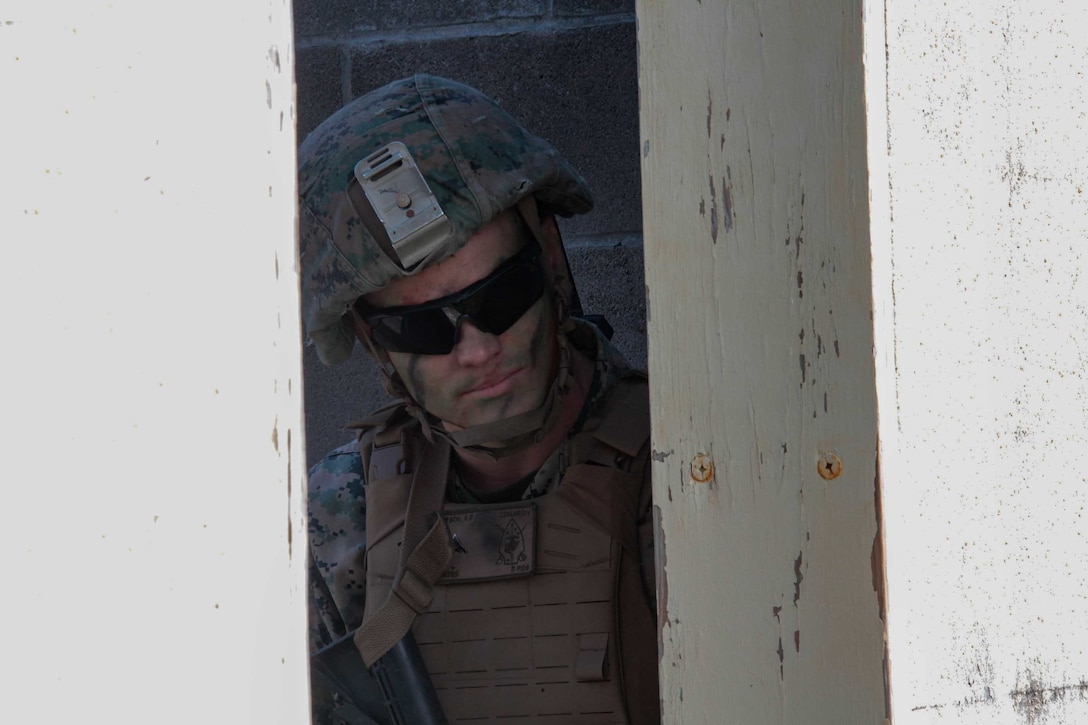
(486, 377)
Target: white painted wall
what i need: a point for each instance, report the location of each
(152, 545)
(979, 159)
(760, 357)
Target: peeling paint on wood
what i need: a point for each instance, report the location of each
(751, 142)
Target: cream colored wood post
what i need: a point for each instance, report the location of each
(763, 393)
(979, 152)
(152, 547)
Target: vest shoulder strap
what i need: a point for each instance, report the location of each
(389, 453)
(383, 442)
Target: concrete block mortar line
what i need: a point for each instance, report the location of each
(491, 28)
(610, 240)
(345, 75)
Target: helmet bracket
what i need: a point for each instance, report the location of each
(410, 223)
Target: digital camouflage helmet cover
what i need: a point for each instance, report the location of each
(474, 161)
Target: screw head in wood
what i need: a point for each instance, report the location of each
(702, 468)
(829, 466)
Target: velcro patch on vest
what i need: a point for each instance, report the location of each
(491, 542)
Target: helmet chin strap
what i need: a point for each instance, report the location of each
(500, 438)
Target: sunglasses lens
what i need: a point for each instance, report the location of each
(493, 304)
(507, 299)
(425, 332)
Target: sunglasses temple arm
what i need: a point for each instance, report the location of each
(575, 301)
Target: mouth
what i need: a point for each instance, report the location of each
(493, 386)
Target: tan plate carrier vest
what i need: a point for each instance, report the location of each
(571, 642)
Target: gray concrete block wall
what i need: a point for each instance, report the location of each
(565, 68)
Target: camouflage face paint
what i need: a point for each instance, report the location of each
(486, 377)
(415, 381)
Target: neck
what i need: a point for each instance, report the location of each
(488, 474)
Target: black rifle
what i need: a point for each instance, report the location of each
(396, 691)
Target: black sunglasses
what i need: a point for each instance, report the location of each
(493, 304)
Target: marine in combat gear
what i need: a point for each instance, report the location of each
(500, 510)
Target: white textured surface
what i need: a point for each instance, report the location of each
(980, 162)
(760, 356)
(153, 542)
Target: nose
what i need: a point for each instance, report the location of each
(475, 346)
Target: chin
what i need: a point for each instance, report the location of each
(500, 409)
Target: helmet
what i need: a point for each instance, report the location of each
(462, 159)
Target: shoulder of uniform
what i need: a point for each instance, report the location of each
(625, 423)
(339, 468)
(336, 505)
(631, 392)
(634, 376)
